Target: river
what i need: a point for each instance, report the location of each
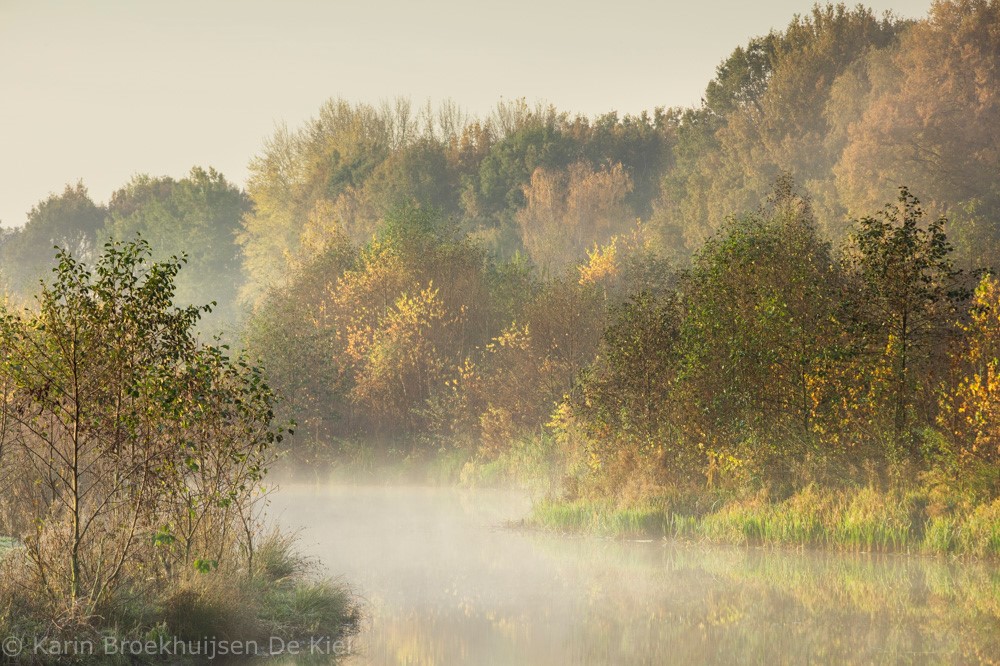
(445, 581)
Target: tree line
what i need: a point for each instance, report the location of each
(708, 295)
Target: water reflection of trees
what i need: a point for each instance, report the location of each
(446, 584)
(655, 603)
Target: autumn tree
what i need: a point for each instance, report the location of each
(970, 408)
(135, 450)
(567, 212)
(764, 115)
(932, 104)
(910, 291)
(381, 324)
(641, 143)
(335, 151)
(339, 157)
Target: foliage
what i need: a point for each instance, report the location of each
(771, 110)
(761, 322)
(564, 213)
(687, 300)
(70, 221)
(911, 291)
(118, 426)
(969, 409)
(928, 104)
(196, 217)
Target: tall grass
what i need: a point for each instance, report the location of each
(861, 520)
(602, 517)
(276, 593)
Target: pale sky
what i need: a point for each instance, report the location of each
(101, 90)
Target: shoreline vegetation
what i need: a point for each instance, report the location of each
(132, 463)
(263, 607)
(864, 520)
(736, 321)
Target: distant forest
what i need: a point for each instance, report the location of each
(788, 284)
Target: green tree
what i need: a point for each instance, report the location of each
(198, 216)
(70, 221)
(119, 425)
(533, 141)
(760, 330)
(627, 391)
(641, 144)
(910, 293)
(741, 79)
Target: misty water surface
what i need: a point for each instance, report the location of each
(446, 582)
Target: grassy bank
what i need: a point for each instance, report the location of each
(256, 606)
(862, 519)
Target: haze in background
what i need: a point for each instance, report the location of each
(100, 91)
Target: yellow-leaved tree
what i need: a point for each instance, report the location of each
(971, 411)
(567, 212)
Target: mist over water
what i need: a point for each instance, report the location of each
(446, 581)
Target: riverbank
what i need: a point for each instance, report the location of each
(914, 520)
(256, 607)
(859, 520)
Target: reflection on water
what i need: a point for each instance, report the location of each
(445, 583)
